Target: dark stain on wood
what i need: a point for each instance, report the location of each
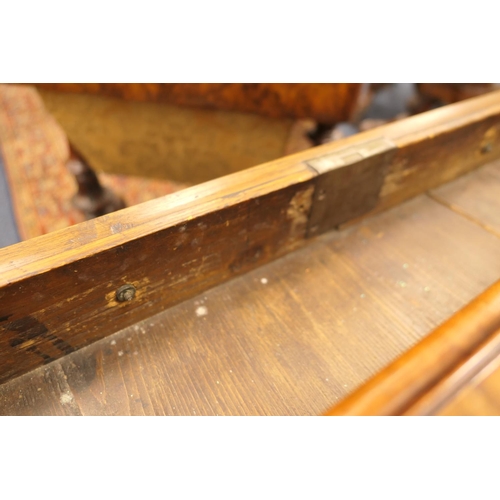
(358, 170)
(166, 267)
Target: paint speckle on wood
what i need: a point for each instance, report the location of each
(201, 311)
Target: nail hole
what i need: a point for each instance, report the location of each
(486, 148)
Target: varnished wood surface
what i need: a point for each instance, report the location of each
(58, 291)
(481, 397)
(398, 388)
(325, 102)
(288, 338)
(463, 379)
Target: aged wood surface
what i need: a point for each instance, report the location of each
(396, 388)
(430, 388)
(476, 196)
(288, 338)
(58, 291)
(359, 171)
(325, 102)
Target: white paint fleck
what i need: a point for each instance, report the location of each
(120, 353)
(426, 289)
(326, 379)
(362, 296)
(218, 382)
(230, 371)
(113, 342)
(201, 311)
(402, 284)
(136, 328)
(405, 266)
(263, 281)
(66, 398)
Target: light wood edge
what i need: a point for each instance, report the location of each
(61, 247)
(442, 355)
(447, 388)
(72, 246)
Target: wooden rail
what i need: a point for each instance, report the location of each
(426, 376)
(58, 292)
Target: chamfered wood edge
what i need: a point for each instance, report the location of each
(288, 186)
(447, 388)
(110, 230)
(444, 352)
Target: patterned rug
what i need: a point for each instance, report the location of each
(35, 151)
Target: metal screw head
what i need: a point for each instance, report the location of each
(125, 293)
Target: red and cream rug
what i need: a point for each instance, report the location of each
(35, 151)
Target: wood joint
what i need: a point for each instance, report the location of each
(348, 183)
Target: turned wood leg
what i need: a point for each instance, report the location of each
(92, 198)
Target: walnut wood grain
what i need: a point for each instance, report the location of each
(58, 291)
(325, 102)
(396, 388)
(287, 338)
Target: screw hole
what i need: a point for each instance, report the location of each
(486, 148)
